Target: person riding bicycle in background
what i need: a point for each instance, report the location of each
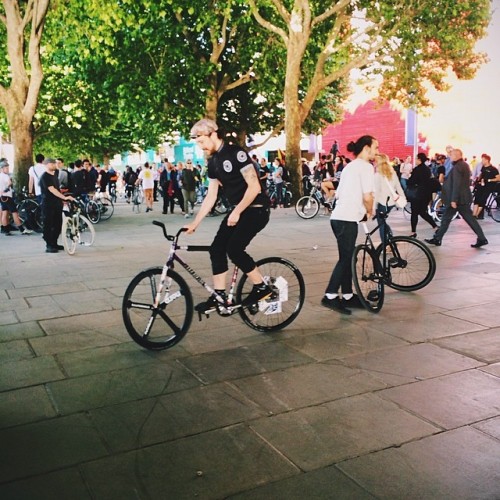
(354, 202)
(230, 167)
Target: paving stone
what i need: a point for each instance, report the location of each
(244, 361)
(8, 317)
(460, 465)
(141, 423)
(103, 389)
(46, 446)
(480, 314)
(25, 405)
(66, 483)
(342, 429)
(452, 400)
(306, 385)
(327, 483)
(53, 344)
(93, 321)
(27, 372)
(212, 465)
(12, 304)
(483, 345)
(16, 349)
(342, 342)
(456, 299)
(493, 369)
(20, 331)
(401, 365)
(110, 358)
(45, 289)
(491, 427)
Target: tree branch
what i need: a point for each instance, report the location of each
(267, 24)
(335, 8)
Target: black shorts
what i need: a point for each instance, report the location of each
(8, 204)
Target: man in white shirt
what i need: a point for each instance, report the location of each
(35, 173)
(146, 177)
(355, 195)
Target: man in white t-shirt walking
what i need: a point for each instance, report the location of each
(146, 177)
(355, 195)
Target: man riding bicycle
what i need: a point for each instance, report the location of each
(230, 167)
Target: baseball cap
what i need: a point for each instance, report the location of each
(3, 162)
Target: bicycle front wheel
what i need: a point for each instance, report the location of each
(106, 207)
(410, 263)
(86, 231)
(367, 278)
(495, 209)
(69, 235)
(307, 207)
(93, 211)
(160, 327)
(279, 311)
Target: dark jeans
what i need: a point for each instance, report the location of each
(231, 241)
(466, 214)
(419, 207)
(52, 222)
(346, 234)
(381, 210)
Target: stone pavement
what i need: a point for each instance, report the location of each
(400, 404)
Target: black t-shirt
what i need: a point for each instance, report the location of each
(489, 172)
(79, 181)
(225, 165)
(47, 180)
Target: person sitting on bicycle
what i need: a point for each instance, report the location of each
(230, 167)
(486, 184)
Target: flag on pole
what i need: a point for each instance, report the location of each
(410, 127)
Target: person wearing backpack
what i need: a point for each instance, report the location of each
(278, 181)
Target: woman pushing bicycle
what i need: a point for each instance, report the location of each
(230, 167)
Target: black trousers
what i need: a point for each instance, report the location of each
(466, 214)
(52, 222)
(419, 207)
(346, 233)
(232, 241)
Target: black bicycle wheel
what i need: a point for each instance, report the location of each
(160, 327)
(410, 263)
(279, 311)
(495, 209)
(366, 274)
(106, 207)
(93, 211)
(27, 211)
(307, 207)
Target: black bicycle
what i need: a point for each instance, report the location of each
(157, 306)
(403, 263)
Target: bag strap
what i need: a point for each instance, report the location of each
(394, 195)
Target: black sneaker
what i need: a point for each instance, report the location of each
(59, 247)
(51, 250)
(479, 243)
(335, 304)
(353, 302)
(433, 241)
(210, 303)
(258, 293)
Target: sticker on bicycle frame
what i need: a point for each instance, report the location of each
(171, 297)
(275, 307)
(227, 166)
(242, 156)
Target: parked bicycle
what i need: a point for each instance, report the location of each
(308, 206)
(104, 204)
(492, 207)
(137, 199)
(157, 306)
(286, 197)
(402, 263)
(29, 211)
(76, 228)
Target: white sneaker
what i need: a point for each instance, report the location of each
(26, 231)
(187, 216)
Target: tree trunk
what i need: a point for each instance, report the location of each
(22, 134)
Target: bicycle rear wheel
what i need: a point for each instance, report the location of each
(367, 278)
(161, 327)
(277, 312)
(410, 263)
(29, 213)
(307, 207)
(106, 208)
(69, 235)
(86, 231)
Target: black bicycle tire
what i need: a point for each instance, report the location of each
(181, 291)
(300, 203)
(365, 268)
(27, 213)
(495, 210)
(93, 212)
(263, 320)
(110, 208)
(413, 285)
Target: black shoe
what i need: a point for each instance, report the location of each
(210, 303)
(59, 247)
(11, 227)
(353, 302)
(51, 250)
(335, 304)
(479, 243)
(433, 241)
(258, 293)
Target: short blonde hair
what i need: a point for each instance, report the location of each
(205, 126)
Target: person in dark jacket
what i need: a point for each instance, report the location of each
(419, 194)
(457, 197)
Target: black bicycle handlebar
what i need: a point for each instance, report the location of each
(167, 236)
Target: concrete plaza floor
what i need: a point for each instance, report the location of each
(400, 404)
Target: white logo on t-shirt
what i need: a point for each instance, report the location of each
(241, 156)
(227, 166)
